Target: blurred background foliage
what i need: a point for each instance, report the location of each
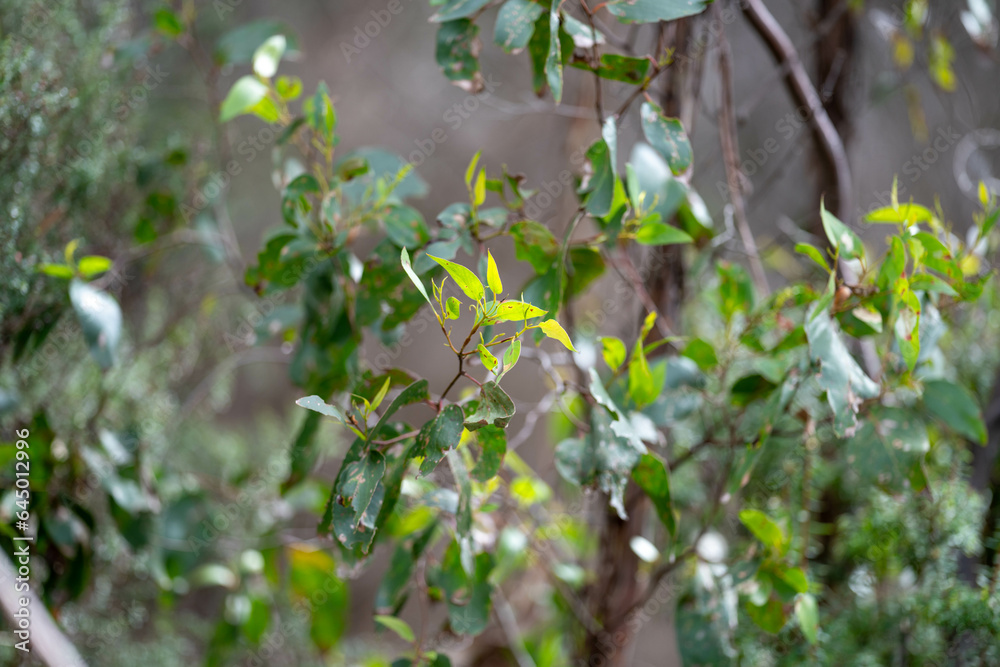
(167, 527)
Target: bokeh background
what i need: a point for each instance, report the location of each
(212, 407)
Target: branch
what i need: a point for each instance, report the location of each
(805, 94)
(730, 149)
(47, 642)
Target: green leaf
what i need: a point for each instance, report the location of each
(515, 24)
(493, 443)
(453, 308)
(957, 407)
(468, 596)
(514, 311)
(458, 9)
(813, 253)
(763, 528)
(600, 184)
(56, 270)
(457, 46)
(404, 259)
(313, 571)
(702, 354)
(894, 265)
(907, 214)
(615, 67)
(907, 334)
(614, 352)
(667, 136)
(534, 243)
(439, 436)
(489, 361)
(660, 192)
(807, 614)
(923, 282)
(651, 476)
(359, 481)
(794, 577)
(467, 281)
(736, 293)
(290, 88)
(651, 11)
(245, 94)
(495, 407)
(405, 227)
(554, 330)
(659, 233)
(397, 625)
(268, 55)
(886, 445)
(581, 34)
(317, 404)
(69, 251)
(493, 275)
(414, 393)
(479, 191)
(470, 171)
(100, 318)
(553, 61)
(321, 115)
(167, 22)
(377, 401)
(511, 356)
(845, 241)
(642, 387)
(92, 265)
(769, 616)
(840, 376)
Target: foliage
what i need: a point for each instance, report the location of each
(848, 385)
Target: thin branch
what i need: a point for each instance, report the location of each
(508, 622)
(730, 149)
(595, 63)
(805, 94)
(48, 643)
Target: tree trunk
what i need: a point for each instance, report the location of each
(612, 597)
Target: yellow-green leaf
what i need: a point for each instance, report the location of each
(397, 625)
(493, 275)
(479, 194)
(466, 279)
(471, 169)
(515, 311)
(613, 351)
(91, 265)
(906, 213)
(489, 361)
(453, 308)
(377, 401)
(554, 330)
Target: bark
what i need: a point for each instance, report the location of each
(618, 589)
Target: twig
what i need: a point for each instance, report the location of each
(805, 94)
(48, 642)
(635, 280)
(730, 149)
(508, 622)
(595, 62)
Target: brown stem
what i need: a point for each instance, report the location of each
(805, 95)
(730, 149)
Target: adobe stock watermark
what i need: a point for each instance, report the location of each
(455, 116)
(128, 100)
(363, 36)
(943, 141)
(216, 184)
